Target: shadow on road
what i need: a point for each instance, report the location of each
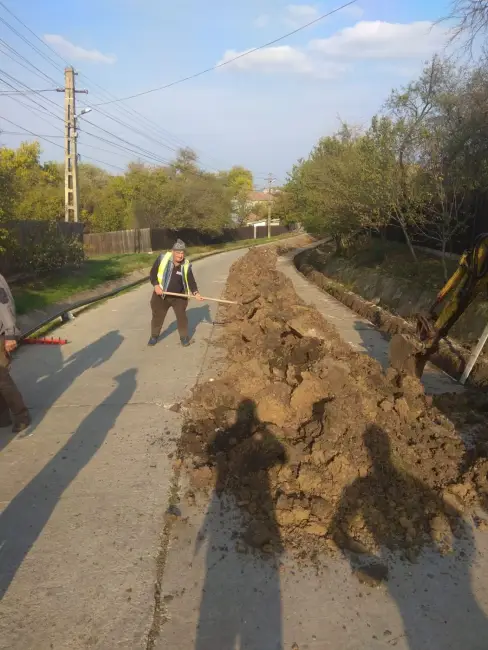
(24, 518)
(397, 511)
(241, 600)
(50, 380)
(196, 316)
(374, 342)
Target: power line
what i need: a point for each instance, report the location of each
(24, 39)
(55, 144)
(235, 58)
(38, 72)
(102, 162)
(124, 109)
(153, 125)
(7, 93)
(127, 149)
(32, 110)
(15, 99)
(28, 88)
(127, 142)
(30, 132)
(138, 131)
(20, 133)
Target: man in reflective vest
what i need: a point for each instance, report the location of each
(172, 272)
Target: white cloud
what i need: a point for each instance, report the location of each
(75, 52)
(284, 59)
(324, 58)
(261, 21)
(382, 40)
(298, 15)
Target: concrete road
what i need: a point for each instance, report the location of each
(88, 558)
(215, 596)
(83, 497)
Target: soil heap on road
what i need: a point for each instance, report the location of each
(316, 445)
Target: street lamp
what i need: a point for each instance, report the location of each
(84, 111)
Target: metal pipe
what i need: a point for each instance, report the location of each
(474, 357)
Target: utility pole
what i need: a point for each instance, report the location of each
(270, 181)
(71, 206)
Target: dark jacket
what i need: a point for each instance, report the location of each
(153, 275)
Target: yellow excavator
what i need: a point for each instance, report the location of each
(409, 354)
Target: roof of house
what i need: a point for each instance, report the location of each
(259, 196)
(253, 217)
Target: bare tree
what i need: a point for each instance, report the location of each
(471, 20)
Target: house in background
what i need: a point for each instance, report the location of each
(256, 201)
(259, 198)
(258, 222)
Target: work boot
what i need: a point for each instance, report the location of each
(152, 341)
(22, 425)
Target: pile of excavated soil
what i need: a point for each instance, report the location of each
(317, 446)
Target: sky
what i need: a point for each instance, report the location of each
(264, 111)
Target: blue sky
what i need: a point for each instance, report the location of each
(264, 111)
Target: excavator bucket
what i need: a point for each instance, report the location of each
(407, 355)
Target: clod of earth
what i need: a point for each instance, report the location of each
(317, 446)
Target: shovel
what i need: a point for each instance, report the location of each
(184, 295)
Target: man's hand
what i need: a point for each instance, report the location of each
(157, 290)
(197, 296)
(10, 346)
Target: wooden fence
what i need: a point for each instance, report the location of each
(120, 242)
(145, 240)
(26, 234)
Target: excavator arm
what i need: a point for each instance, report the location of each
(468, 281)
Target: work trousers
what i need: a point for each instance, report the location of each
(160, 306)
(12, 405)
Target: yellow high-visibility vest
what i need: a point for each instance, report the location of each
(166, 268)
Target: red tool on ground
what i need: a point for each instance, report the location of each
(45, 341)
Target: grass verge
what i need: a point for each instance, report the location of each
(53, 288)
(395, 260)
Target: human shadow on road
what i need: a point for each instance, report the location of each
(51, 379)
(241, 600)
(196, 316)
(24, 518)
(401, 516)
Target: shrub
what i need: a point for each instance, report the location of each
(50, 251)
(8, 242)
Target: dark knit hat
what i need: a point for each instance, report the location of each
(179, 245)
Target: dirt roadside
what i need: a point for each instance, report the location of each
(318, 447)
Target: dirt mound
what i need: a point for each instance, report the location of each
(317, 446)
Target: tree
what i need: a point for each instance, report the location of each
(239, 179)
(186, 161)
(240, 182)
(411, 108)
(445, 193)
(471, 20)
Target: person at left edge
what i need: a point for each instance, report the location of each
(12, 407)
(172, 272)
